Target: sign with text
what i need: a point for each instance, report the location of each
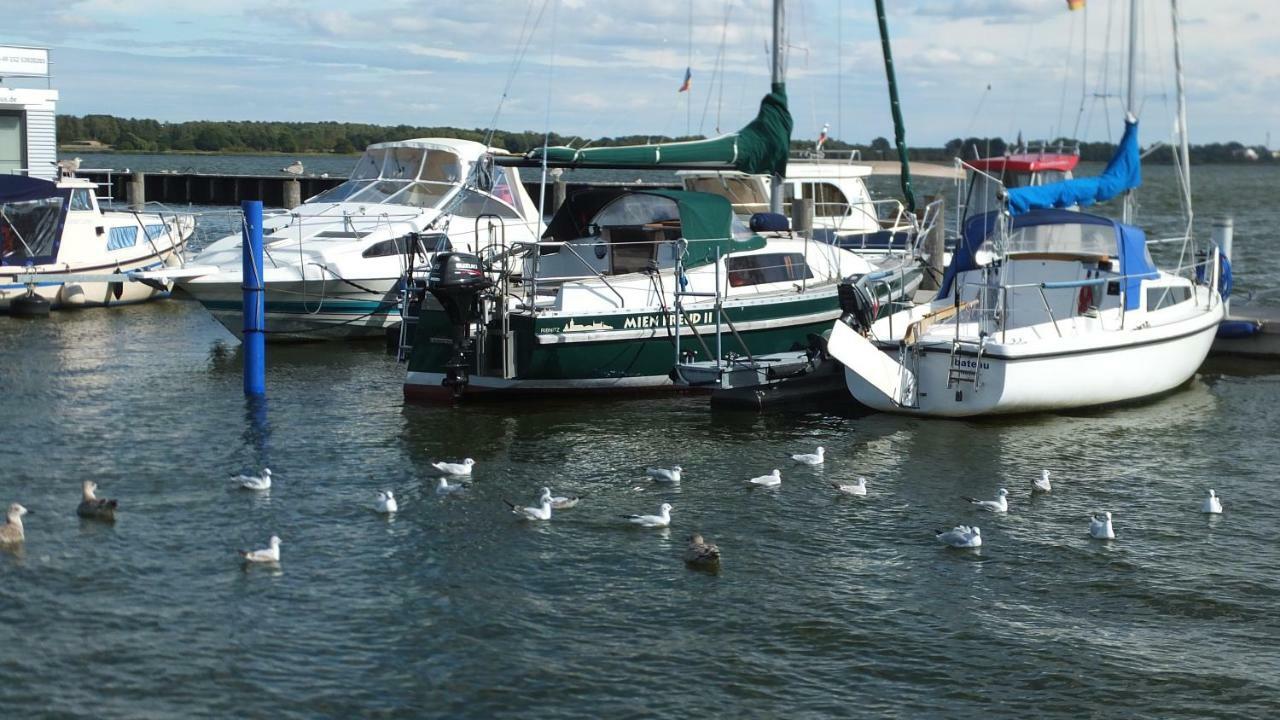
(24, 61)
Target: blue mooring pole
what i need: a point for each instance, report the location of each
(255, 349)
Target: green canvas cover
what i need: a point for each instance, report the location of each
(760, 147)
(706, 221)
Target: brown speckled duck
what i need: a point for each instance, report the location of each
(93, 508)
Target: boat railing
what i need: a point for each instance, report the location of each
(848, 157)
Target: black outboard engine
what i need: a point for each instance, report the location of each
(859, 310)
(456, 280)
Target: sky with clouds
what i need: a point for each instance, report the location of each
(612, 67)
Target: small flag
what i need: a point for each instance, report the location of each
(1075, 4)
(688, 80)
(822, 136)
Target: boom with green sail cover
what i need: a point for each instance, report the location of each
(759, 148)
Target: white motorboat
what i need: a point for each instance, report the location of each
(334, 265)
(58, 243)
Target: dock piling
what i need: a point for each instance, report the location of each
(136, 191)
(292, 194)
(1223, 231)
(254, 288)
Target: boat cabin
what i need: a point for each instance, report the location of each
(424, 174)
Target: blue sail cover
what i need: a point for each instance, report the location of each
(1131, 247)
(32, 215)
(1124, 172)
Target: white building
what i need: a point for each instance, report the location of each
(28, 129)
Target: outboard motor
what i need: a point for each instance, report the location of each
(859, 310)
(456, 280)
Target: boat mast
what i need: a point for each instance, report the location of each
(899, 132)
(1184, 147)
(779, 77)
(1131, 101)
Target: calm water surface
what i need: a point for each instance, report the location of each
(824, 607)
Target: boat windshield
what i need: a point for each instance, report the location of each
(746, 195)
(402, 175)
(29, 230)
(1067, 238)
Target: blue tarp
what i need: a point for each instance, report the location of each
(1131, 247)
(1124, 172)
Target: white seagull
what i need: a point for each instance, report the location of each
(558, 502)
(12, 532)
(961, 536)
(1041, 484)
(542, 512)
(294, 169)
(445, 487)
(386, 503)
(661, 520)
(773, 479)
(254, 482)
(857, 488)
(1000, 504)
(265, 555)
(664, 475)
(1100, 527)
(809, 458)
(448, 468)
(1212, 504)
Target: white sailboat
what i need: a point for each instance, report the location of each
(1041, 309)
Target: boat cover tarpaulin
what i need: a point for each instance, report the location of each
(760, 147)
(1124, 172)
(1131, 247)
(32, 213)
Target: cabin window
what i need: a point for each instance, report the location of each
(441, 166)
(402, 163)
(369, 166)
(1063, 238)
(746, 196)
(1163, 297)
(421, 194)
(80, 199)
(765, 269)
(340, 193)
(122, 237)
(638, 209)
(828, 201)
(436, 242)
(155, 232)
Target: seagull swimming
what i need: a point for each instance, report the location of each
(857, 488)
(1000, 504)
(701, 553)
(961, 536)
(1100, 527)
(12, 533)
(386, 503)
(265, 555)
(809, 458)
(661, 520)
(94, 508)
(664, 475)
(293, 169)
(448, 468)
(1212, 504)
(773, 479)
(254, 482)
(558, 502)
(1041, 484)
(445, 487)
(542, 512)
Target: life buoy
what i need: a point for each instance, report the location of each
(1086, 300)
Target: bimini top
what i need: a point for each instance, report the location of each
(706, 221)
(760, 147)
(32, 214)
(1025, 163)
(1062, 232)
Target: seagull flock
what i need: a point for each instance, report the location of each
(698, 554)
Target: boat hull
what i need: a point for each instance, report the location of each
(1132, 365)
(83, 294)
(306, 311)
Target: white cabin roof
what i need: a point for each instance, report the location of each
(465, 149)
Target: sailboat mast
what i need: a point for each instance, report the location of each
(779, 77)
(1131, 100)
(1184, 142)
(899, 131)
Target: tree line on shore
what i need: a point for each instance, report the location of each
(143, 135)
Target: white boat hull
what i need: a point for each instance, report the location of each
(71, 294)
(314, 310)
(1075, 373)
